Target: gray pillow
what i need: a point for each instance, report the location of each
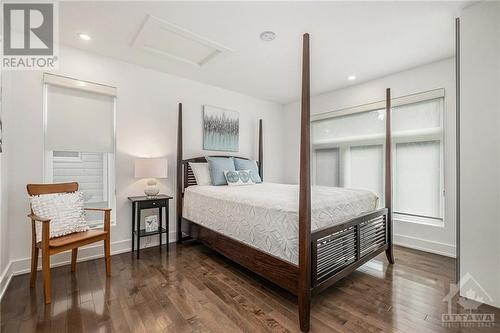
(217, 166)
(241, 164)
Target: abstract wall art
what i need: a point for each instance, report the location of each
(221, 129)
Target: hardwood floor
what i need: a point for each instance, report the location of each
(193, 289)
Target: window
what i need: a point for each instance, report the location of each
(349, 152)
(79, 139)
(92, 171)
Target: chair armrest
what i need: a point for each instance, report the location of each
(98, 209)
(38, 218)
(107, 215)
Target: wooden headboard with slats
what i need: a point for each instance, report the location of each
(189, 179)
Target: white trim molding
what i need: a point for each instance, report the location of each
(5, 279)
(447, 250)
(67, 82)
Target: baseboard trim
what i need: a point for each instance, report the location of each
(5, 278)
(443, 249)
(94, 251)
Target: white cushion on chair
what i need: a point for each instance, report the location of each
(65, 211)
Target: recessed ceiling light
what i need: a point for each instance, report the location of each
(267, 36)
(351, 77)
(84, 36)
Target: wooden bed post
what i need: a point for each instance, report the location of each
(304, 281)
(261, 152)
(179, 175)
(388, 175)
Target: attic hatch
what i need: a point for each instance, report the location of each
(176, 43)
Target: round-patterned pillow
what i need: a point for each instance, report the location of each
(240, 177)
(232, 177)
(244, 176)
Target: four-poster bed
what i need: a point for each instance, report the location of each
(326, 254)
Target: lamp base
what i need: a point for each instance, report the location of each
(152, 189)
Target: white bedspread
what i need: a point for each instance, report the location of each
(265, 215)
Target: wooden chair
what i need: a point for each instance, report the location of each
(50, 246)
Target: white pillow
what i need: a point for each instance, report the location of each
(201, 173)
(65, 211)
(238, 177)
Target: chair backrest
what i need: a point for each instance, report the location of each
(38, 189)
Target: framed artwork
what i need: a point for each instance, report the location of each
(221, 129)
(151, 223)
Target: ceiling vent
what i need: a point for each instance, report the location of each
(175, 43)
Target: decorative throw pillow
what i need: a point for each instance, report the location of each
(241, 164)
(217, 166)
(240, 177)
(201, 173)
(65, 211)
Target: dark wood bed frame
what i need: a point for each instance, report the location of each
(325, 255)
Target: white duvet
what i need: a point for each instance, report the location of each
(265, 215)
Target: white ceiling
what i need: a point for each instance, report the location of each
(368, 39)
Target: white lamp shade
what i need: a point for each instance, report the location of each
(151, 168)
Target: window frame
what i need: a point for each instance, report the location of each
(396, 102)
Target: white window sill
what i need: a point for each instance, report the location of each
(419, 220)
(99, 224)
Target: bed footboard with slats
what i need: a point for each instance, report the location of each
(336, 251)
(326, 255)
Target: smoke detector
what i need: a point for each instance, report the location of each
(267, 36)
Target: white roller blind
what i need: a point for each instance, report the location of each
(358, 142)
(367, 169)
(327, 167)
(420, 116)
(417, 174)
(360, 126)
(79, 120)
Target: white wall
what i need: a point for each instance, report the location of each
(440, 74)
(146, 125)
(4, 246)
(5, 271)
(480, 147)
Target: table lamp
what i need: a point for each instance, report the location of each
(151, 168)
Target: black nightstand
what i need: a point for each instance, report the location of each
(142, 202)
